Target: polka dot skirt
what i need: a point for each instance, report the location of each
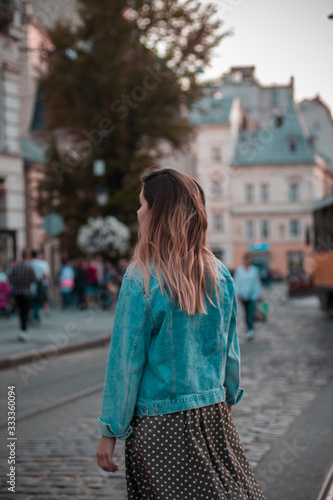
(189, 454)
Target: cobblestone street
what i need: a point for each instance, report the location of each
(158, 176)
(283, 369)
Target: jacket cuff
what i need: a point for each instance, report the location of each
(236, 399)
(106, 430)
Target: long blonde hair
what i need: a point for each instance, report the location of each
(173, 238)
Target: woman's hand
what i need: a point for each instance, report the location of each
(104, 454)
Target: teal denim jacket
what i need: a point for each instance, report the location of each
(161, 360)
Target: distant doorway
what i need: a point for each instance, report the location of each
(261, 260)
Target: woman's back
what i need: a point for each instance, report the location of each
(187, 355)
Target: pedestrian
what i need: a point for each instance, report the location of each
(66, 283)
(80, 283)
(92, 284)
(42, 272)
(21, 278)
(173, 370)
(5, 292)
(102, 292)
(113, 281)
(248, 288)
(121, 267)
(46, 283)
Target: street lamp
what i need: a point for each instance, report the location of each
(99, 168)
(102, 195)
(102, 198)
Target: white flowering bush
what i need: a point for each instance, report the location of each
(107, 235)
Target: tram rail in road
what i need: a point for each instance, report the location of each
(59, 384)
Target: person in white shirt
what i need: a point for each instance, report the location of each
(248, 288)
(42, 272)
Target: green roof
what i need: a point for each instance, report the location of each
(286, 144)
(210, 110)
(31, 151)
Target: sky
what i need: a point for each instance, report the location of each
(280, 38)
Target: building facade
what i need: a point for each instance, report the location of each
(217, 122)
(12, 192)
(319, 123)
(261, 171)
(21, 157)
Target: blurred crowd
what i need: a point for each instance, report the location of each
(93, 282)
(82, 283)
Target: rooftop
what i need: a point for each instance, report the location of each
(211, 109)
(31, 151)
(286, 144)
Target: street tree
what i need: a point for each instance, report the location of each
(116, 87)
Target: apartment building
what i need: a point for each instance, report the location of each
(21, 158)
(12, 187)
(262, 168)
(279, 179)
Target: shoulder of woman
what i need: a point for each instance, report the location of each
(134, 277)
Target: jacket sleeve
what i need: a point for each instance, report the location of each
(232, 375)
(132, 329)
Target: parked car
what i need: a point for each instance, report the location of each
(299, 285)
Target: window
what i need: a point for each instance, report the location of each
(249, 229)
(244, 123)
(264, 228)
(218, 222)
(216, 189)
(293, 192)
(281, 230)
(249, 193)
(17, 21)
(273, 96)
(264, 193)
(216, 155)
(278, 121)
(294, 227)
(292, 146)
(295, 261)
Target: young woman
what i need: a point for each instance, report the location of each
(173, 370)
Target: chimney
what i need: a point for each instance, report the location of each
(292, 86)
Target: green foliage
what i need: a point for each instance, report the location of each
(119, 94)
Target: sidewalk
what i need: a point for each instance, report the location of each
(60, 332)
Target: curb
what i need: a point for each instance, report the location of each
(46, 352)
(326, 488)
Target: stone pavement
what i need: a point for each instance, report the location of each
(286, 373)
(298, 464)
(62, 466)
(61, 331)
